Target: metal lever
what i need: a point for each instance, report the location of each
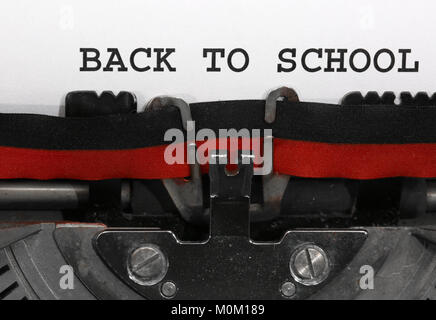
(230, 196)
(187, 195)
(274, 184)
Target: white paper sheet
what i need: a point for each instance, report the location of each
(40, 57)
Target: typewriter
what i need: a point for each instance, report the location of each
(249, 199)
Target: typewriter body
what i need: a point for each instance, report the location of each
(215, 153)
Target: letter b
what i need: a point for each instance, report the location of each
(87, 59)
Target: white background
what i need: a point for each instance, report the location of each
(40, 41)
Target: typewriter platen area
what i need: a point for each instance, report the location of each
(245, 237)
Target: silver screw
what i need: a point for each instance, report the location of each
(288, 289)
(309, 265)
(147, 265)
(168, 289)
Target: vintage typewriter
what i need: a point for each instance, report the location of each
(316, 201)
